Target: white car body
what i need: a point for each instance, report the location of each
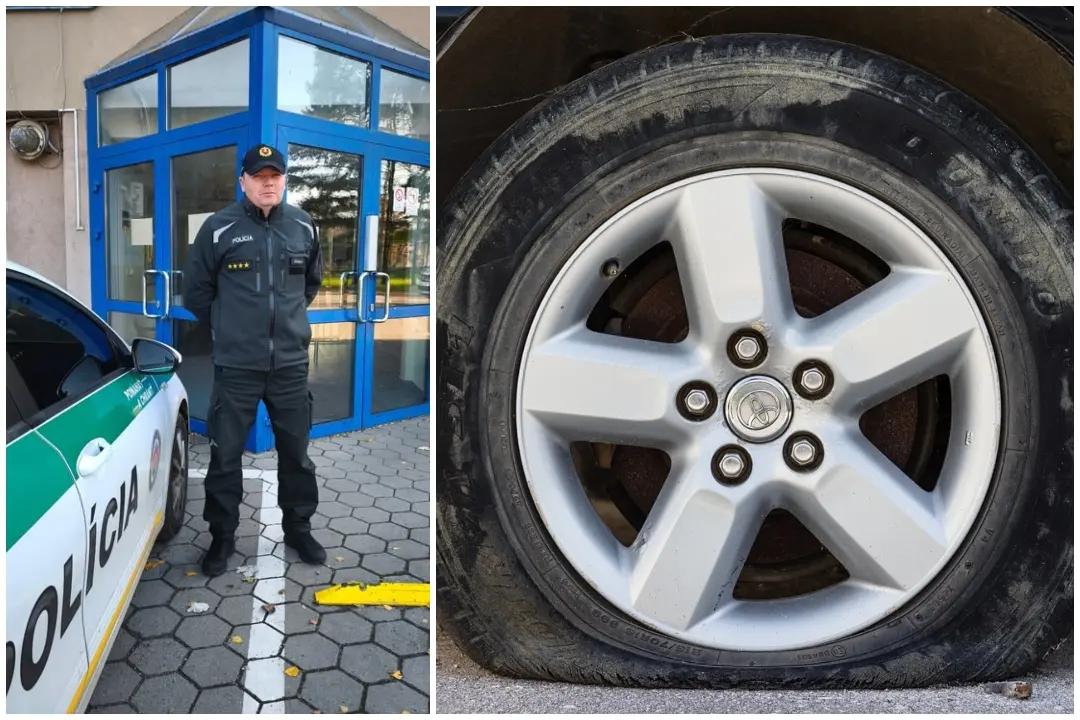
(86, 498)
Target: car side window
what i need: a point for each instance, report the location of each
(60, 351)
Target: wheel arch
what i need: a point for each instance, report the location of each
(1015, 62)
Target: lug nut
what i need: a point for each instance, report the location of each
(731, 465)
(697, 402)
(610, 268)
(746, 348)
(803, 452)
(812, 380)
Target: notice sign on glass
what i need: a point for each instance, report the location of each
(399, 199)
(412, 201)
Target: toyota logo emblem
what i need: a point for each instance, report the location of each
(759, 409)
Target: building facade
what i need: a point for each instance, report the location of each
(126, 129)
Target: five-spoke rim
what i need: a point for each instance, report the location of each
(918, 323)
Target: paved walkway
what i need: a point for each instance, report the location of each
(373, 519)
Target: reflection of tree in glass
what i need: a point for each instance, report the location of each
(398, 113)
(326, 185)
(403, 245)
(333, 89)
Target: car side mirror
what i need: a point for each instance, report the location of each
(153, 357)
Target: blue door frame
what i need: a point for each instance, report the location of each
(262, 122)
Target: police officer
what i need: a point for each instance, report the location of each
(251, 274)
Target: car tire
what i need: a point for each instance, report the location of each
(176, 496)
(507, 592)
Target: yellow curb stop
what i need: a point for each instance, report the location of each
(393, 594)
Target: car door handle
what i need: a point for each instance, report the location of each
(93, 457)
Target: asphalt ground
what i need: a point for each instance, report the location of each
(463, 687)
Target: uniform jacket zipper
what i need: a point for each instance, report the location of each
(270, 278)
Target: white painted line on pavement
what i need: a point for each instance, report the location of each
(265, 667)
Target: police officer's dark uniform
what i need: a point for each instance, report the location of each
(252, 277)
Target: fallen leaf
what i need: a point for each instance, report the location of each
(314, 621)
(197, 607)
(339, 559)
(396, 674)
(151, 564)
(191, 573)
(249, 579)
(1017, 690)
(344, 708)
(237, 639)
(292, 671)
(281, 591)
(270, 608)
(387, 607)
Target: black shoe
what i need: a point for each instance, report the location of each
(217, 557)
(307, 547)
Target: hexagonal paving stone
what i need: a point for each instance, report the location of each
(208, 667)
(396, 481)
(392, 504)
(202, 631)
(266, 681)
(389, 531)
(292, 618)
(365, 544)
(123, 644)
(368, 663)
(348, 526)
(338, 558)
(332, 473)
(421, 535)
(116, 684)
(420, 569)
(181, 577)
(305, 574)
(353, 575)
(383, 564)
(235, 610)
(310, 652)
(376, 490)
(412, 495)
(409, 520)
(356, 499)
(157, 656)
(248, 527)
(122, 709)
(371, 515)
(401, 637)
(277, 590)
(407, 549)
(171, 693)
(152, 622)
(220, 701)
(346, 628)
(183, 599)
(229, 584)
(151, 593)
(342, 485)
(416, 672)
(329, 690)
(394, 698)
(420, 617)
(422, 508)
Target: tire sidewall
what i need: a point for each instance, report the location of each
(619, 163)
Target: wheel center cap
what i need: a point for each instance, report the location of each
(758, 409)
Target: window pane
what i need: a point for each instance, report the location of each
(401, 364)
(59, 350)
(209, 86)
(404, 233)
(202, 184)
(326, 185)
(332, 362)
(128, 111)
(322, 84)
(129, 230)
(192, 340)
(129, 326)
(404, 105)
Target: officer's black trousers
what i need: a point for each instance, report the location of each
(233, 403)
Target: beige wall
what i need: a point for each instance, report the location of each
(42, 227)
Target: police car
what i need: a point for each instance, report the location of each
(97, 461)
